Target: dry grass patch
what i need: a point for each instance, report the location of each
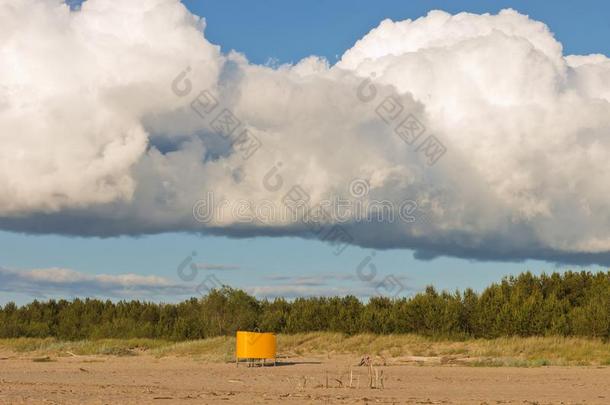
(115, 347)
(512, 351)
(217, 349)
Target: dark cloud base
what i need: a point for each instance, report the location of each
(491, 248)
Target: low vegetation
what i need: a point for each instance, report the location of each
(568, 304)
(557, 319)
(391, 349)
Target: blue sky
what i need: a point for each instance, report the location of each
(259, 262)
(285, 32)
(290, 31)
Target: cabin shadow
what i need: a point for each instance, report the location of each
(277, 363)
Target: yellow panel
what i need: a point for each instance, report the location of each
(254, 345)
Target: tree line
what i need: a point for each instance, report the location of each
(567, 304)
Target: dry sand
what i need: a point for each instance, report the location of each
(144, 379)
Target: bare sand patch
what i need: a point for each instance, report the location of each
(147, 379)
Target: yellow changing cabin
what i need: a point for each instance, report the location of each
(255, 346)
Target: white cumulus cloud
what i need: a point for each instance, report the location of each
(99, 138)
